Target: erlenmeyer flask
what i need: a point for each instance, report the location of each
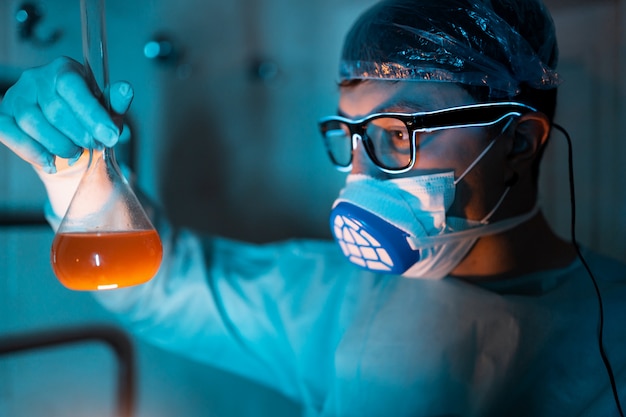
(105, 239)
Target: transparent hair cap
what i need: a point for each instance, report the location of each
(500, 44)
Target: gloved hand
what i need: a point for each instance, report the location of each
(51, 112)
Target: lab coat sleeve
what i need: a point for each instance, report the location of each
(273, 313)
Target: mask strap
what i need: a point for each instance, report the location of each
(482, 154)
(485, 219)
(474, 232)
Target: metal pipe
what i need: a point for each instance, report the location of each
(116, 339)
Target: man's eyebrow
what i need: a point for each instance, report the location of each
(403, 105)
(342, 114)
(396, 106)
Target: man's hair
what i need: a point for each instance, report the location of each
(544, 101)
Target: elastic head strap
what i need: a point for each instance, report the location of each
(484, 152)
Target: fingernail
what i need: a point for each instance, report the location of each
(49, 168)
(71, 161)
(124, 89)
(106, 135)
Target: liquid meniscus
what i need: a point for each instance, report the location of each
(105, 260)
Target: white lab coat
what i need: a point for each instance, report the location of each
(297, 317)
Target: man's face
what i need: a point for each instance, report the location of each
(441, 151)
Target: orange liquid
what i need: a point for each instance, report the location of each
(96, 261)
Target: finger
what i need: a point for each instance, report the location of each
(24, 88)
(58, 113)
(24, 146)
(33, 123)
(87, 109)
(121, 96)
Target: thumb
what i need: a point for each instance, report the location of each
(121, 95)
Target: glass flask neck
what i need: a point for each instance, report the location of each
(105, 154)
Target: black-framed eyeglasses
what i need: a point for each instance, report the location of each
(390, 139)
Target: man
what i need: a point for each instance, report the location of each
(462, 300)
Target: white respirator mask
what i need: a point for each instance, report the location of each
(400, 225)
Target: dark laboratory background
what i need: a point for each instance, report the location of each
(224, 140)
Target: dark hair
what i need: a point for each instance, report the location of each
(544, 101)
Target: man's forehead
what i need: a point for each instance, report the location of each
(378, 96)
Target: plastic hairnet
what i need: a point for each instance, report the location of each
(500, 44)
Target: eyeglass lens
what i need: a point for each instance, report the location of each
(386, 140)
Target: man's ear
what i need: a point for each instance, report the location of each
(531, 133)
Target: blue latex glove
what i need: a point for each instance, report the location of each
(51, 111)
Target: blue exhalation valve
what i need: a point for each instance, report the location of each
(371, 242)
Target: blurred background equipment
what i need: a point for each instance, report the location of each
(114, 338)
